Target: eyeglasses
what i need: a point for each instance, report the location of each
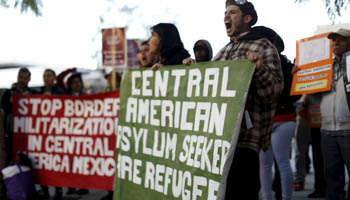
(199, 48)
(240, 2)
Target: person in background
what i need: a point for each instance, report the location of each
(147, 59)
(75, 84)
(139, 57)
(316, 144)
(108, 77)
(50, 88)
(20, 87)
(202, 51)
(302, 137)
(266, 86)
(75, 87)
(282, 132)
(166, 46)
(2, 154)
(335, 126)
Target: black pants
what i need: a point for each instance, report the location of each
(317, 158)
(243, 179)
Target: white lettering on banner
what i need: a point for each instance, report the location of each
(92, 108)
(79, 108)
(178, 73)
(185, 107)
(134, 76)
(22, 108)
(213, 188)
(198, 181)
(153, 112)
(50, 162)
(143, 112)
(163, 144)
(124, 133)
(161, 84)
(158, 86)
(34, 142)
(211, 72)
(78, 145)
(194, 79)
(162, 113)
(126, 164)
(66, 126)
(131, 110)
(200, 116)
(196, 153)
(145, 82)
(224, 91)
(167, 113)
(93, 166)
(35, 102)
(167, 180)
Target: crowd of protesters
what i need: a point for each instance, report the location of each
(53, 85)
(272, 118)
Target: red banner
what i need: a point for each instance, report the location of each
(70, 140)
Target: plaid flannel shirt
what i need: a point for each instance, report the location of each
(264, 91)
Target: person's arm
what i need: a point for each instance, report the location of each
(268, 77)
(188, 61)
(6, 105)
(62, 75)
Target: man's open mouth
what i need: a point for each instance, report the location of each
(228, 25)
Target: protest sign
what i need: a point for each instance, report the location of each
(177, 127)
(114, 47)
(315, 60)
(346, 60)
(70, 140)
(133, 46)
(314, 118)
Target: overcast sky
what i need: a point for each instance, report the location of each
(68, 33)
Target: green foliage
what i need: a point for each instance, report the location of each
(33, 5)
(334, 7)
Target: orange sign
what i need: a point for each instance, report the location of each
(114, 50)
(315, 59)
(314, 117)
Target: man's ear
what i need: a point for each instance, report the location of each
(247, 19)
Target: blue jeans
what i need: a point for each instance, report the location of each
(336, 154)
(281, 138)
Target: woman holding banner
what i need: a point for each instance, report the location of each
(282, 133)
(74, 87)
(166, 45)
(50, 88)
(75, 84)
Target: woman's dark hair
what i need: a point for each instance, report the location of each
(170, 41)
(70, 79)
(51, 70)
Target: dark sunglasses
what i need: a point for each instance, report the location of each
(199, 48)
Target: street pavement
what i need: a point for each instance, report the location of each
(301, 195)
(98, 194)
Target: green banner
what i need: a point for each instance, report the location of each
(176, 129)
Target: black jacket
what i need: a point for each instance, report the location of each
(176, 57)
(55, 90)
